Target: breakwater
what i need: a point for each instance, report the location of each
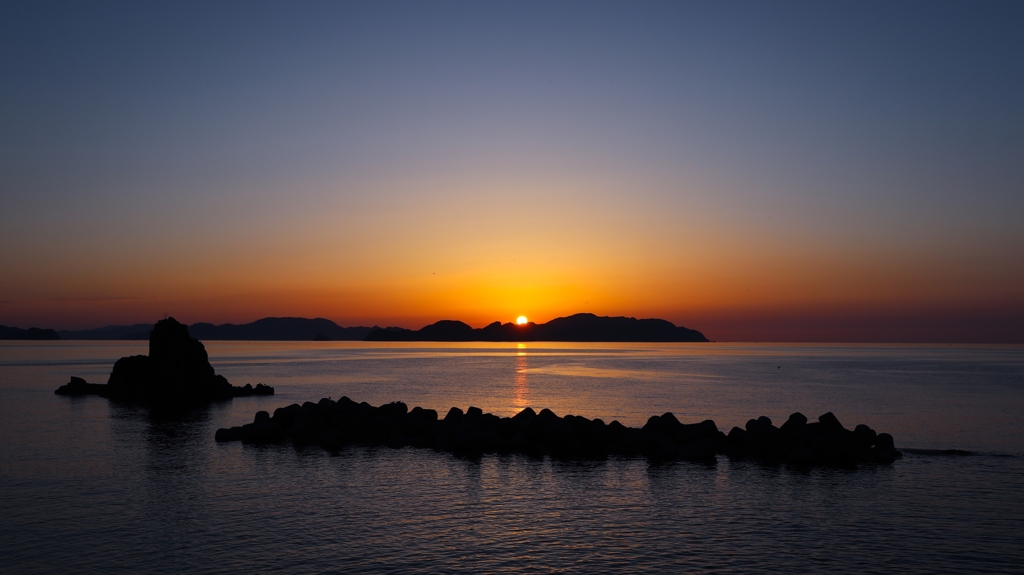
(336, 424)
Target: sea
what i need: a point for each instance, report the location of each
(90, 486)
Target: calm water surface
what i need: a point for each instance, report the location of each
(89, 486)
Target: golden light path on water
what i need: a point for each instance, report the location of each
(520, 389)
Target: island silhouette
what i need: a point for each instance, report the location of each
(176, 373)
(266, 329)
(32, 333)
(578, 327)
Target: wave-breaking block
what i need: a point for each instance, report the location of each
(336, 424)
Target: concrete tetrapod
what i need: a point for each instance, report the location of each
(336, 424)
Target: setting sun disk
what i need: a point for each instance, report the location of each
(521, 320)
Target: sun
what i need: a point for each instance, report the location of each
(521, 320)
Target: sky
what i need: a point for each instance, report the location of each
(759, 171)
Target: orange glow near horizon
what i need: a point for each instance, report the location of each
(776, 299)
(739, 283)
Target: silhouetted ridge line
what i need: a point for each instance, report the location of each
(280, 329)
(266, 329)
(32, 333)
(176, 373)
(948, 452)
(336, 424)
(135, 331)
(578, 327)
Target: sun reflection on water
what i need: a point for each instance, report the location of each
(520, 389)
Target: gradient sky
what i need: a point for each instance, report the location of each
(820, 171)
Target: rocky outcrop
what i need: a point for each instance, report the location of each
(798, 441)
(78, 386)
(177, 372)
(336, 424)
(248, 390)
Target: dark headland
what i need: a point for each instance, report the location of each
(176, 373)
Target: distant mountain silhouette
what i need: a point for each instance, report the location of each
(136, 331)
(281, 329)
(578, 327)
(30, 333)
(266, 329)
